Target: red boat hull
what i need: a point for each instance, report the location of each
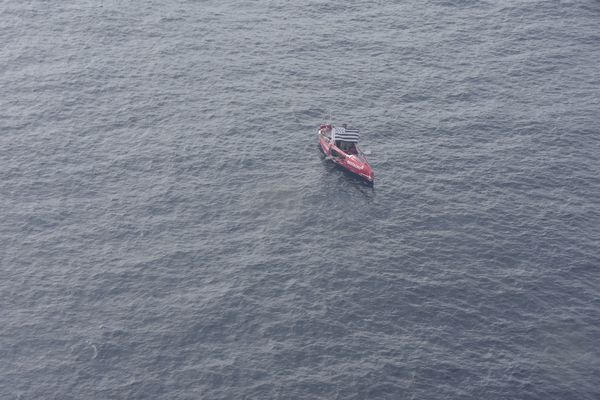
(355, 162)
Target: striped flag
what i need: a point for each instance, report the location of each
(346, 135)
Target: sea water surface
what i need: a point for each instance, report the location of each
(169, 230)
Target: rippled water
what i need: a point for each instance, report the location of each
(170, 231)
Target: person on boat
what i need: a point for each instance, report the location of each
(348, 147)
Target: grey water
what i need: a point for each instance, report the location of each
(169, 229)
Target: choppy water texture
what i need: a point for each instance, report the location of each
(170, 231)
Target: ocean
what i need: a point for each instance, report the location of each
(170, 230)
